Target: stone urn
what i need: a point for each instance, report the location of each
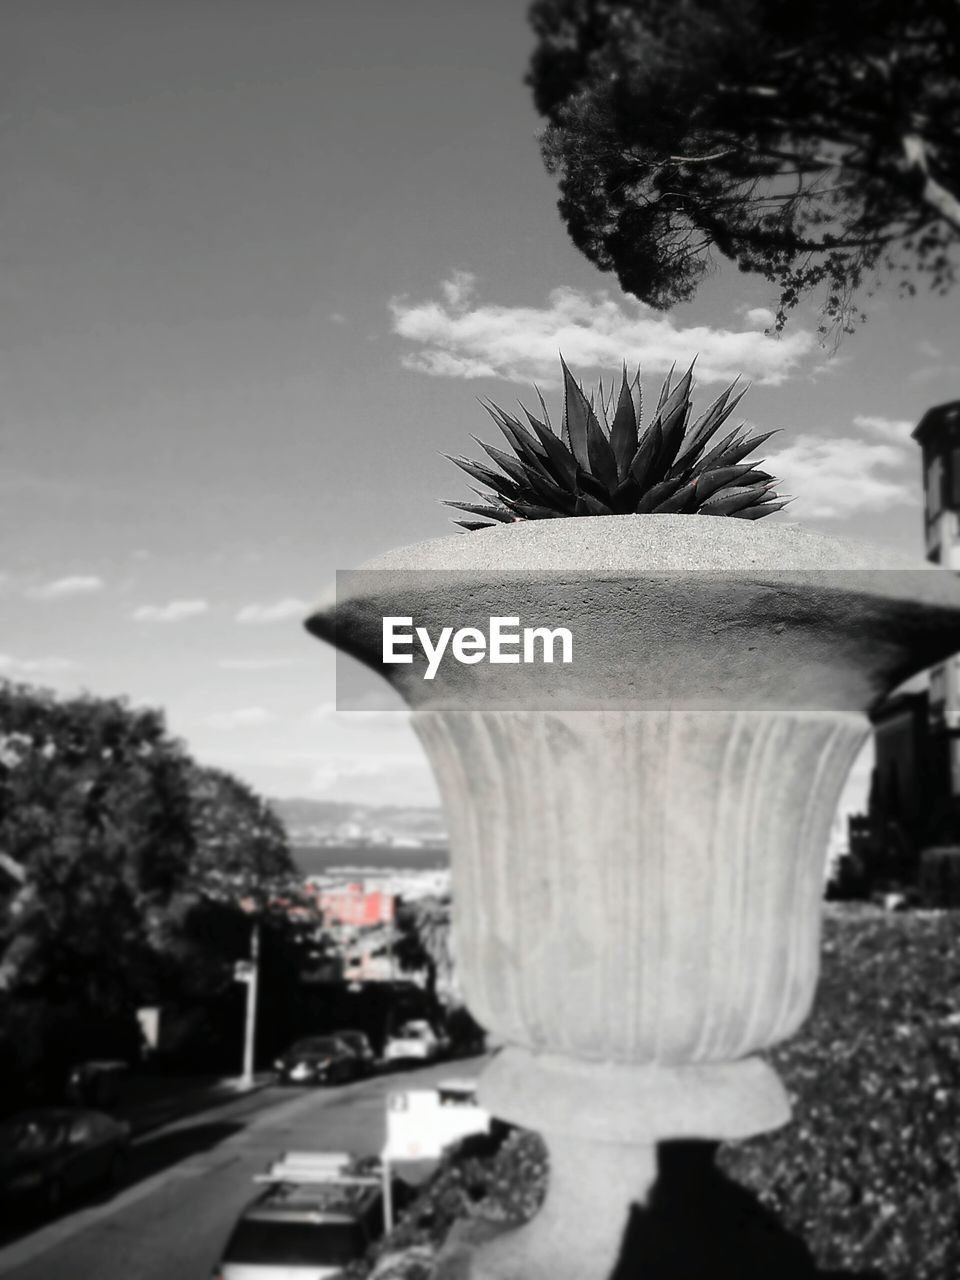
(638, 835)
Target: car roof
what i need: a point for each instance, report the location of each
(298, 1213)
(296, 1202)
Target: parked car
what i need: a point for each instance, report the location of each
(96, 1084)
(358, 1044)
(49, 1154)
(414, 1040)
(318, 1060)
(457, 1091)
(309, 1224)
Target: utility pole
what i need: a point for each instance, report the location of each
(392, 936)
(250, 1028)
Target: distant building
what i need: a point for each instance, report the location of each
(915, 796)
(354, 905)
(938, 435)
(389, 882)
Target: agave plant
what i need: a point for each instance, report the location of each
(602, 464)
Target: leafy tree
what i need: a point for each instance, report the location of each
(127, 871)
(242, 851)
(241, 871)
(815, 144)
(95, 830)
(422, 943)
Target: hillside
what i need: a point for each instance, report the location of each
(318, 822)
(318, 859)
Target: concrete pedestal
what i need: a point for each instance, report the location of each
(580, 1228)
(602, 1124)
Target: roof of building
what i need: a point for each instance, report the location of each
(935, 419)
(912, 702)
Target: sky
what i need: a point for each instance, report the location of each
(259, 260)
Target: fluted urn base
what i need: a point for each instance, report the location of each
(580, 1230)
(640, 884)
(621, 1212)
(611, 1102)
(603, 1124)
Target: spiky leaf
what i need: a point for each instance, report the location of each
(475, 509)
(561, 461)
(623, 433)
(645, 459)
(659, 493)
(713, 458)
(576, 414)
(685, 499)
(587, 505)
(589, 445)
(477, 471)
(761, 509)
(723, 477)
(513, 467)
(708, 424)
(730, 500)
(736, 453)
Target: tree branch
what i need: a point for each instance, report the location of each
(716, 155)
(933, 193)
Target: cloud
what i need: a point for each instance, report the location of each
(65, 588)
(760, 317)
(255, 664)
(837, 476)
(933, 372)
(444, 364)
(840, 475)
(278, 611)
(35, 666)
(894, 430)
(349, 718)
(458, 337)
(173, 611)
(459, 289)
(356, 776)
(242, 718)
(395, 776)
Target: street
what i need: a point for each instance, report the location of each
(186, 1183)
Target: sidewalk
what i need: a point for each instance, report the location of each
(148, 1102)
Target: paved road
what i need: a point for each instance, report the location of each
(188, 1181)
